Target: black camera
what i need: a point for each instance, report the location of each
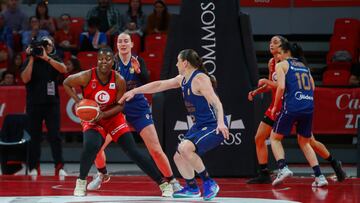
(36, 47)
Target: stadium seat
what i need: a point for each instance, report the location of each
(339, 66)
(348, 43)
(77, 25)
(346, 25)
(88, 59)
(14, 142)
(155, 43)
(153, 63)
(336, 78)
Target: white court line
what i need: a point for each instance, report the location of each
(131, 199)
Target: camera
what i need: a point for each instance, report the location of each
(36, 47)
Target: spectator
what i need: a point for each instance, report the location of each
(6, 36)
(72, 66)
(65, 37)
(109, 15)
(15, 18)
(40, 74)
(7, 79)
(3, 5)
(354, 79)
(15, 67)
(133, 21)
(93, 39)
(46, 22)
(158, 21)
(34, 33)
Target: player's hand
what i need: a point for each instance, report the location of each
(274, 111)
(135, 64)
(221, 127)
(98, 117)
(126, 97)
(251, 96)
(261, 82)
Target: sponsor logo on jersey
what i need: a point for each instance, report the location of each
(301, 96)
(102, 97)
(112, 86)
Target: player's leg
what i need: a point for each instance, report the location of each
(151, 140)
(303, 128)
(263, 132)
(310, 155)
(281, 127)
(322, 151)
(279, 155)
(143, 160)
(92, 143)
(100, 162)
(187, 170)
(205, 140)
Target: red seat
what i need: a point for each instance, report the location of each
(77, 25)
(348, 43)
(339, 66)
(336, 77)
(88, 59)
(153, 63)
(346, 25)
(155, 43)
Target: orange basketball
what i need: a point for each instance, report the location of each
(87, 110)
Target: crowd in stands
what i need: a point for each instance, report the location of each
(76, 36)
(81, 37)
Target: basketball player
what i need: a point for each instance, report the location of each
(295, 84)
(266, 124)
(138, 115)
(105, 86)
(209, 128)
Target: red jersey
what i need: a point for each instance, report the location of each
(103, 94)
(273, 77)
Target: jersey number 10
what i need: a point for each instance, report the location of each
(303, 81)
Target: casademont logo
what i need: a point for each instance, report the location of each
(235, 137)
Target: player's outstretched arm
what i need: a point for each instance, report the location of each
(153, 87)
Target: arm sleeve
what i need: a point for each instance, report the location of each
(144, 74)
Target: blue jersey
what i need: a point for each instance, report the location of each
(201, 112)
(138, 105)
(299, 92)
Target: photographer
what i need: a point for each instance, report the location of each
(40, 72)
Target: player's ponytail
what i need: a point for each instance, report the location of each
(297, 52)
(194, 59)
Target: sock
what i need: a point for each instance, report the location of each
(330, 158)
(102, 170)
(191, 183)
(263, 167)
(281, 163)
(204, 175)
(317, 170)
(168, 179)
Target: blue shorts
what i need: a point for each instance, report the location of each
(204, 138)
(138, 113)
(302, 121)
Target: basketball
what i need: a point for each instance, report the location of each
(87, 110)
